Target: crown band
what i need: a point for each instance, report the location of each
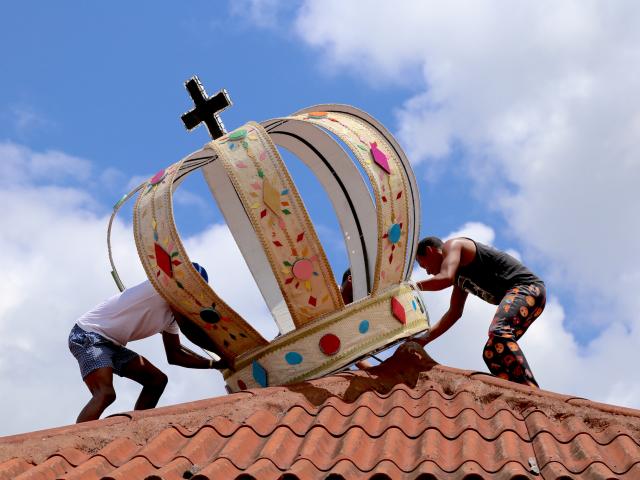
(332, 342)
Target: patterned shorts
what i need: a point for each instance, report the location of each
(94, 351)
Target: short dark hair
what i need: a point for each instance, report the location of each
(428, 242)
(345, 275)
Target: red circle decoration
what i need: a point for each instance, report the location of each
(303, 269)
(242, 385)
(329, 344)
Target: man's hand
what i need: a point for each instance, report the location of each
(422, 339)
(219, 364)
(179, 355)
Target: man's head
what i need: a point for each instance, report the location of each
(201, 271)
(429, 254)
(346, 288)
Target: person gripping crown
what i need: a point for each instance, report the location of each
(98, 342)
(497, 278)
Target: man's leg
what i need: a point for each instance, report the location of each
(153, 381)
(100, 384)
(502, 354)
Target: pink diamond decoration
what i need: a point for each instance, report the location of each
(379, 157)
(398, 311)
(157, 178)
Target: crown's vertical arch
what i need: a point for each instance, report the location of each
(413, 192)
(170, 271)
(345, 187)
(246, 238)
(389, 180)
(273, 204)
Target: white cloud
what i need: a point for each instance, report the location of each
(21, 165)
(55, 267)
(262, 13)
(476, 230)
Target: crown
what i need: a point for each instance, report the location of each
(378, 213)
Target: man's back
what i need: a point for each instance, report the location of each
(136, 313)
(491, 273)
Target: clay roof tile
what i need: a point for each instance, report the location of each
(406, 418)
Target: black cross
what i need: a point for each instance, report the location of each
(207, 109)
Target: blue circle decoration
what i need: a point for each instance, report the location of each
(395, 233)
(293, 358)
(364, 326)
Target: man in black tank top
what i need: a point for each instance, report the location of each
(496, 277)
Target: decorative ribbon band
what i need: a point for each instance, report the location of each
(171, 273)
(330, 343)
(280, 221)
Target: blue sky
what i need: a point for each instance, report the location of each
(520, 134)
(107, 85)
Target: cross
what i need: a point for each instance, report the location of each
(207, 109)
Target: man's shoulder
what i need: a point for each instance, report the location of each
(459, 243)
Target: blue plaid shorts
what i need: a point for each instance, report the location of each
(94, 351)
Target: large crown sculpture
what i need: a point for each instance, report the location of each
(265, 213)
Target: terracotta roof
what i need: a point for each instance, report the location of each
(407, 418)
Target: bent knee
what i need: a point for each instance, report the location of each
(105, 396)
(158, 381)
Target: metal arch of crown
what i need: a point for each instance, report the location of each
(268, 220)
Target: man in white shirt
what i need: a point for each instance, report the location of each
(98, 342)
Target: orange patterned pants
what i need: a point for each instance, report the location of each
(516, 312)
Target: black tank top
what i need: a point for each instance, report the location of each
(491, 273)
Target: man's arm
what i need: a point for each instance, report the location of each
(452, 253)
(177, 355)
(456, 307)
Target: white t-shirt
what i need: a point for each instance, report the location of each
(136, 313)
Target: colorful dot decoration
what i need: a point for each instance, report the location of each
(259, 374)
(293, 358)
(209, 315)
(329, 344)
(364, 326)
(395, 232)
(302, 269)
(317, 115)
(242, 385)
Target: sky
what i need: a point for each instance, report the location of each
(522, 125)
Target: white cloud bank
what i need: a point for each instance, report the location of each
(55, 267)
(542, 97)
